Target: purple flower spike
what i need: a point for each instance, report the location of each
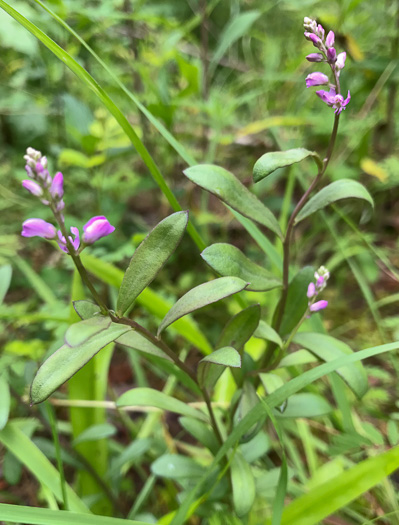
(33, 187)
(320, 305)
(316, 79)
(96, 228)
(311, 290)
(331, 54)
(314, 57)
(330, 39)
(38, 228)
(57, 186)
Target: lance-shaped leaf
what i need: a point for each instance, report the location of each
(152, 398)
(212, 366)
(230, 190)
(4, 401)
(133, 339)
(67, 360)
(327, 349)
(201, 296)
(227, 260)
(274, 160)
(80, 332)
(338, 190)
(265, 331)
(149, 258)
(243, 485)
(240, 328)
(86, 309)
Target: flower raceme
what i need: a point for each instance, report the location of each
(327, 53)
(51, 192)
(321, 276)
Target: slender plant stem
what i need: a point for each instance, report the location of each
(57, 446)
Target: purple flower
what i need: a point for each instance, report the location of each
(74, 239)
(333, 100)
(57, 186)
(330, 39)
(96, 228)
(315, 57)
(33, 187)
(311, 290)
(340, 63)
(331, 54)
(316, 79)
(320, 305)
(38, 228)
(320, 281)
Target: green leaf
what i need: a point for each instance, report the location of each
(230, 190)
(133, 339)
(22, 447)
(37, 516)
(66, 361)
(4, 402)
(305, 405)
(148, 397)
(200, 296)
(86, 309)
(297, 300)
(338, 190)
(79, 333)
(148, 299)
(150, 257)
(274, 160)
(259, 412)
(300, 357)
(174, 466)
(5, 280)
(201, 432)
(240, 328)
(324, 500)
(211, 367)
(327, 349)
(227, 260)
(243, 484)
(95, 432)
(265, 331)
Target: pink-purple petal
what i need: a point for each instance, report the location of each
(38, 228)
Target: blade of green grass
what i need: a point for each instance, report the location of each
(36, 516)
(91, 83)
(34, 460)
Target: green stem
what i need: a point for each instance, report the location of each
(60, 465)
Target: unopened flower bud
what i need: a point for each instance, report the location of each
(96, 228)
(320, 31)
(33, 187)
(316, 79)
(57, 186)
(340, 62)
(313, 38)
(331, 54)
(315, 57)
(320, 305)
(311, 290)
(330, 39)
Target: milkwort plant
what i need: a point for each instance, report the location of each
(260, 393)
